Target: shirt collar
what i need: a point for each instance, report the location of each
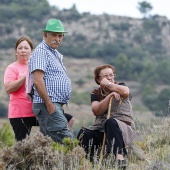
(55, 52)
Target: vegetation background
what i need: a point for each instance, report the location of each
(139, 48)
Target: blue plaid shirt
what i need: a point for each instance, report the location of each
(56, 80)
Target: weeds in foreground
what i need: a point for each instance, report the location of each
(40, 152)
(6, 136)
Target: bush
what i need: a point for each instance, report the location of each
(36, 153)
(6, 136)
(80, 98)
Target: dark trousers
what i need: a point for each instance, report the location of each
(92, 140)
(22, 126)
(114, 138)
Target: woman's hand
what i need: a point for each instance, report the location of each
(110, 87)
(116, 95)
(104, 83)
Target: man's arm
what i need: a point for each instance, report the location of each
(42, 91)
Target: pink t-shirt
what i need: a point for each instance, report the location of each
(19, 105)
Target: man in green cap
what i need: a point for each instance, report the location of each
(51, 84)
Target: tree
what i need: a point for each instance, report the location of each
(144, 8)
(159, 103)
(163, 101)
(123, 66)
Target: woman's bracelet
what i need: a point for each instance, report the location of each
(109, 84)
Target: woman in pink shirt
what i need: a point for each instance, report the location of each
(20, 108)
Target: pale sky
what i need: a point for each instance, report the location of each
(116, 7)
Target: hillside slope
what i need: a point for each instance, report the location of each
(139, 48)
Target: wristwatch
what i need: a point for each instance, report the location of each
(109, 84)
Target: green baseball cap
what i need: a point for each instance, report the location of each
(54, 25)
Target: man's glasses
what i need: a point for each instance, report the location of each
(108, 75)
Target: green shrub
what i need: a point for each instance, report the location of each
(39, 152)
(69, 144)
(80, 98)
(80, 82)
(6, 135)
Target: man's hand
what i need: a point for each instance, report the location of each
(51, 109)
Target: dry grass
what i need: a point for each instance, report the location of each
(38, 152)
